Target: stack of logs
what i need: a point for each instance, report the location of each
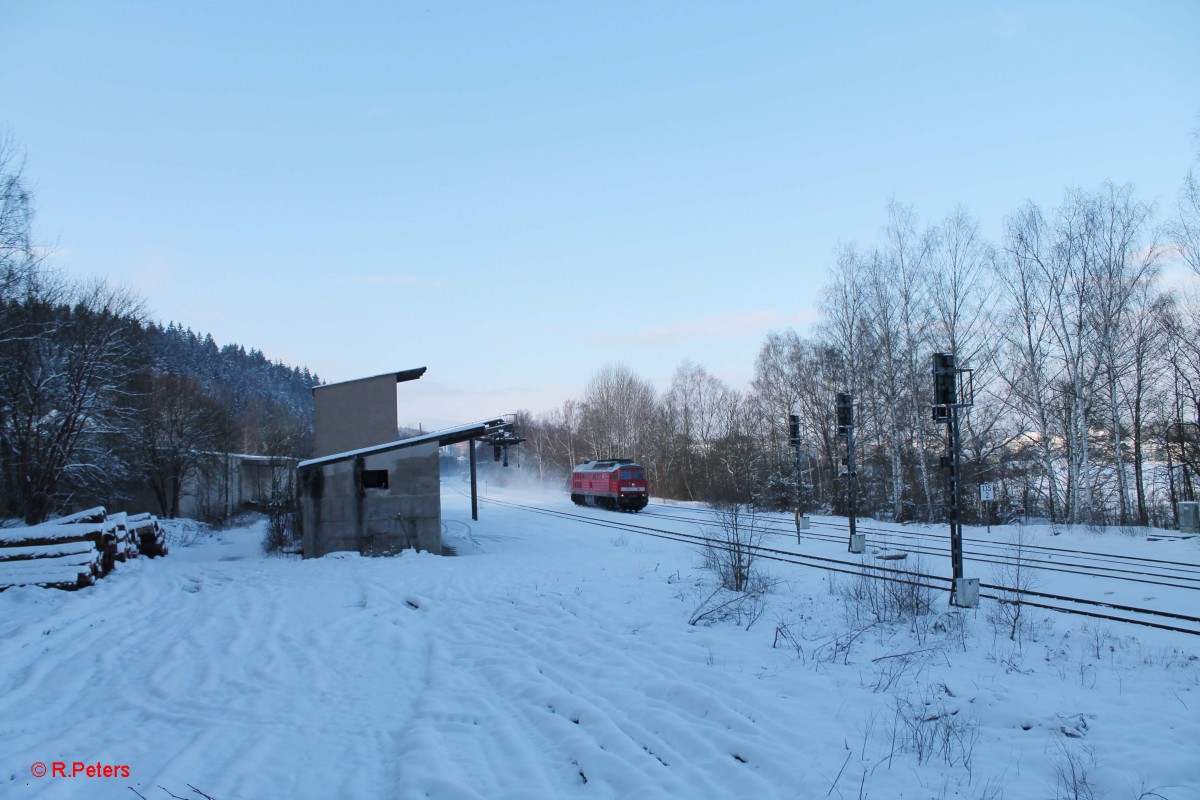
(75, 551)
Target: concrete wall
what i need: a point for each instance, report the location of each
(338, 513)
(228, 483)
(355, 414)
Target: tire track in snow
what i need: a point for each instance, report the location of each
(209, 673)
(589, 705)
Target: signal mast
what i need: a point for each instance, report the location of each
(947, 382)
(845, 427)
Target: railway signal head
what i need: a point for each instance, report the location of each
(794, 429)
(944, 389)
(845, 412)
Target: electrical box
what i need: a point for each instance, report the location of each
(1189, 517)
(966, 592)
(858, 542)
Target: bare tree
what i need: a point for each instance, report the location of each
(1144, 387)
(1028, 338)
(18, 259)
(618, 406)
(884, 329)
(180, 428)
(696, 404)
(964, 299)
(908, 252)
(64, 388)
(1186, 228)
(1127, 266)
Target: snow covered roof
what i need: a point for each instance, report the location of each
(606, 465)
(444, 437)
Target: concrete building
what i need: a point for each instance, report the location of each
(367, 490)
(380, 500)
(358, 413)
(226, 483)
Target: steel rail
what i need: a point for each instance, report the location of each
(857, 569)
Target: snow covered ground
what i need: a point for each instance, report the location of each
(553, 658)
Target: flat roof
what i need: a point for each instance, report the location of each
(401, 377)
(444, 437)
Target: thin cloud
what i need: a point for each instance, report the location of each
(735, 325)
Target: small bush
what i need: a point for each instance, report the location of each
(881, 596)
(737, 539)
(1015, 573)
(741, 608)
(283, 528)
(1072, 771)
(928, 728)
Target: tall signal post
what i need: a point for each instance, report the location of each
(794, 441)
(947, 402)
(801, 493)
(845, 426)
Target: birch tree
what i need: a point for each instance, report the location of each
(884, 325)
(1126, 265)
(618, 407)
(908, 253)
(697, 406)
(1027, 334)
(964, 303)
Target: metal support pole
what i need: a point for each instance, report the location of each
(852, 474)
(799, 491)
(799, 478)
(956, 543)
(474, 484)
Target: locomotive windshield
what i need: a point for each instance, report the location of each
(633, 475)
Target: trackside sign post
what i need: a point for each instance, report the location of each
(987, 494)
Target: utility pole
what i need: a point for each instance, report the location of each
(474, 484)
(845, 423)
(964, 592)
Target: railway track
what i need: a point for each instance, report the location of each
(1133, 569)
(1066, 604)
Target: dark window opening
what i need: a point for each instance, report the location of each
(375, 479)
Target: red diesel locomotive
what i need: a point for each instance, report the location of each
(617, 483)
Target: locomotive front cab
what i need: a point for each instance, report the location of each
(632, 489)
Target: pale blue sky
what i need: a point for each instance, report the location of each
(514, 194)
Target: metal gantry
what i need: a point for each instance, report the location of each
(500, 437)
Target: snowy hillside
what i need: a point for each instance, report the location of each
(552, 658)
